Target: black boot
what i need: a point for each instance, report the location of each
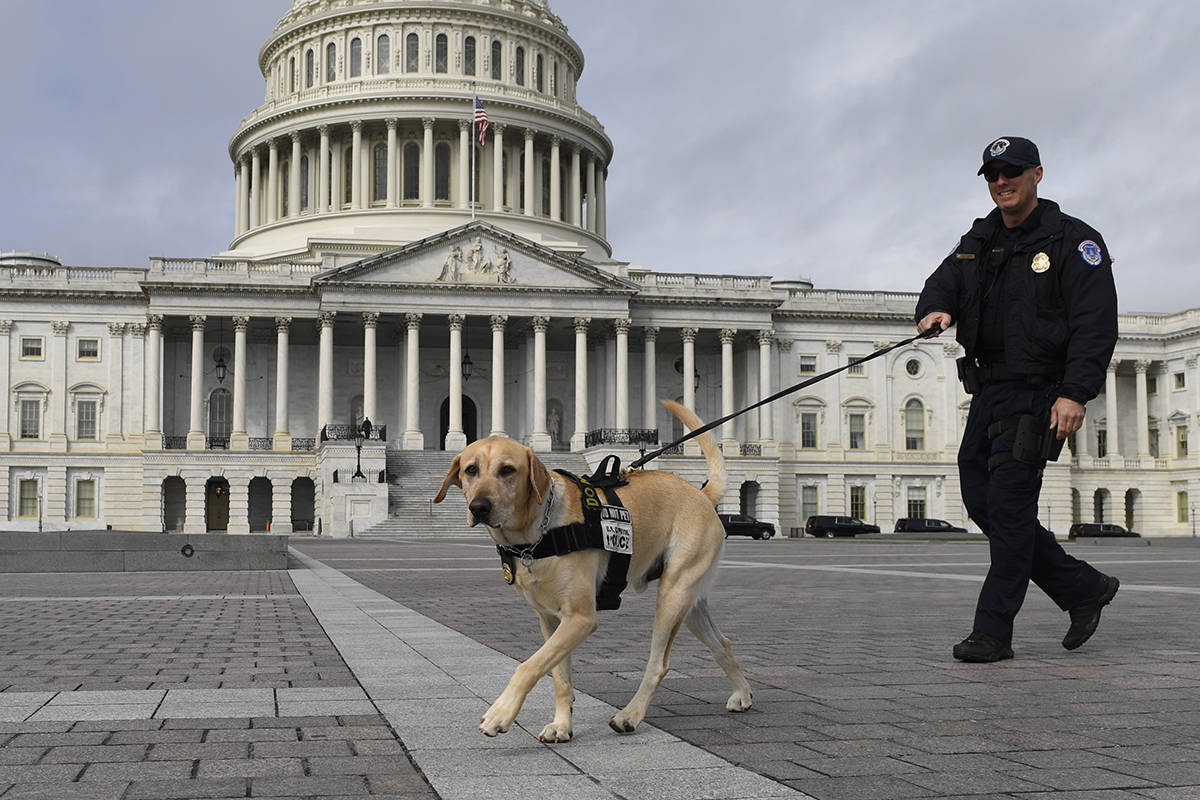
(1086, 616)
(980, 648)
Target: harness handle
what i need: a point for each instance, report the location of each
(704, 429)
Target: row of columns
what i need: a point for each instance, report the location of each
(413, 437)
(257, 205)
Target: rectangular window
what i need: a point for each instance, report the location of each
(1180, 381)
(31, 419)
(87, 349)
(855, 369)
(28, 505)
(858, 502)
(1151, 384)
(85, 498)
(1101, 444)
(1181, 506)
(85, 420)
(808, 365)
(858, 431)
(916, 501)
(1181, 444)
(808, 501)
(808, 430)
(31, 347)
(1154, 443)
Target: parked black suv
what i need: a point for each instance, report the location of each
(743, 525)
(829, 526)
(1085, 529)
(925, 525)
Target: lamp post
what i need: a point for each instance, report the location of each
(1193, 520)
(361, 433)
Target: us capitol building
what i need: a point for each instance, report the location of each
(389, 264)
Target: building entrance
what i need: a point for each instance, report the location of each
(216, 504)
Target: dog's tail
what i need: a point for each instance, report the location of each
(715, 487)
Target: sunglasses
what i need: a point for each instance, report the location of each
(1010, 171)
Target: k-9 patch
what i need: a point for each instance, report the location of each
(1091, 252)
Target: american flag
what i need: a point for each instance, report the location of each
(481, 120)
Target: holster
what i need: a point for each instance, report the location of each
(968, 373)
(1035, 442)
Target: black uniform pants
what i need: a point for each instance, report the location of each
(1004, 503)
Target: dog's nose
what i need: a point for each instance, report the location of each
(480, 508)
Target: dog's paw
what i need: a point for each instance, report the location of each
(739, 701)
(555, 732)
(494, 722)
(624, 722)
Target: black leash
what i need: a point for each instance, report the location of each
(693, 434)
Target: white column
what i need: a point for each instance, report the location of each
(576, 192)
(239, 213)
(427, 164)
(540, 439)
(497, 167)
(283, 435)
(464, 163)
(764, 383)
(601, 201)
(393, 174)
(355, 165)
(498, 322)
(238, 440)
(114, 419)
(370, 323)
(649, 380)
(728, 442)
(256, 192)
(689, 366)
(324, 201)
(621, 326)
(325, 322)
(6, 372)
(294, 177)
(195, 435)
(555, 178)
(56, 419)
(456, 439)
(530, 172)
(1110, 410)
(272, 181)
(581, 384)
(413, 438)
(152, 427)
(1143, 409)
(591, 192)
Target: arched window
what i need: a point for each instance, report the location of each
(469, 56)
(348, 167)
(441, 172)
(379, 192)
(383, 55)
(546, 186)
(914, 425)
(496, 64)
(440, 53)
(356, 58)
(309, 69)
(330, 63)
(554, 79)
(292, 73)
(304, 183)
(539, 82)
(412, 171)
(412, 53)
(520, 66)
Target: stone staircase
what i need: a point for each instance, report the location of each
(414, 479)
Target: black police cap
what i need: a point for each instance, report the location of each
(1011, 150)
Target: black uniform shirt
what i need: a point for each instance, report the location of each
(998, 259)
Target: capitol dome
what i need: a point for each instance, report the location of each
(365, 139)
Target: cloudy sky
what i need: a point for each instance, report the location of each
(833, 141)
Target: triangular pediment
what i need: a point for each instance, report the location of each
(477, 255)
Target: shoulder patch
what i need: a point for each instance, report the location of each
(1091, 252)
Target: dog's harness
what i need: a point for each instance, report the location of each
(605, 527)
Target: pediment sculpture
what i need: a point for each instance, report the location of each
(474, 265)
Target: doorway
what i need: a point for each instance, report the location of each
(470, 417)
(216, 504)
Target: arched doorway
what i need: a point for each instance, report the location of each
(749, 498)
(1133, 509)
(216, 504)
(1100, 505)
(303, 504)
(174, 503)
(260, 504)
(470, 422)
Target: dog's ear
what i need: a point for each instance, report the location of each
(539, 476)
(451, 479)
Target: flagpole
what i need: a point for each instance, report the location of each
(471, 176)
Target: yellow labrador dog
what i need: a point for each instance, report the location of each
(675, 529)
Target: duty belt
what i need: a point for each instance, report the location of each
(975, 376)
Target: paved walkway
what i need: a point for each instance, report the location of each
(364, 670)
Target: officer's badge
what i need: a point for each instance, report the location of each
(1091, 252)
(1041, 263)
(998, 147)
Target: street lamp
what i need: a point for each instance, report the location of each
(361, 433)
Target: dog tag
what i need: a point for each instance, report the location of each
(617, 528)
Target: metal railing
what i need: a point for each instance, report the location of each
(262, 443)
(304, 444)
(751, 449)
(627, 436)
(216, 442)
(347, 433)
(174, 443)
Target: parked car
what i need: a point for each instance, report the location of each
(1081, 529)
(745, 525)
(830, 526)
(925, 525)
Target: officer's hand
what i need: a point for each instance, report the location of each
(935, 319)
(1066, 416)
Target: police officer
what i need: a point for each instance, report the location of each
(1031, 291)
